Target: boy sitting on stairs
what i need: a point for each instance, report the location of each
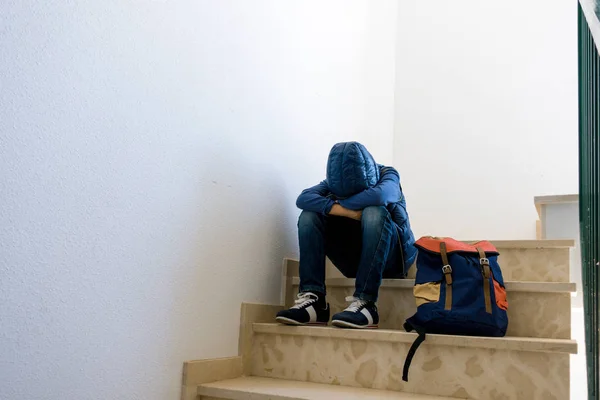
(357, 217)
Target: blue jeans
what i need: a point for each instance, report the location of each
(367, 250)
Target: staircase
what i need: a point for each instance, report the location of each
(283, 362)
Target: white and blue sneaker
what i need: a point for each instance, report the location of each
(361, 314)
(310, 309)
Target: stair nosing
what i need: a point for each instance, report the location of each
(212, 390)
(511, 286)
(233, 389)
(531, 243)
(382, 335)
(235, 394)
(556, 199)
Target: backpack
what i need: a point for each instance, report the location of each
(459, 290)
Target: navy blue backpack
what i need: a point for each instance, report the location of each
(459, 290)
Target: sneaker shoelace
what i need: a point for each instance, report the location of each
(356, 304)
(305, 299)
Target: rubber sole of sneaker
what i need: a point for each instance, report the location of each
(343, 324)
(287, 321)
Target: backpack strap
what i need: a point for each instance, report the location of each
(486, 272)
(447, 270)
(409, 327)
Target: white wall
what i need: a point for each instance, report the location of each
(151, 154)
(486, 113)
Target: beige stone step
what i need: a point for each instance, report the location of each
(532, 260)
(457, 366)
(531, 244)
(511, 286)
(256, 388)
(521, 260)
(537, 264)
(394, 336)
(536, 309)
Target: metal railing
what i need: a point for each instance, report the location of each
(589, 182)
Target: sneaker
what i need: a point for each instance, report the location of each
(310, 309)
(361, 314)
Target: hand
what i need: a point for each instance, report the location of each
(340, 211)
(356, 215)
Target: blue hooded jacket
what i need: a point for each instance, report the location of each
(355, 181)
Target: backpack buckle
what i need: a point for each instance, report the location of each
(484, 261)
(447, 269)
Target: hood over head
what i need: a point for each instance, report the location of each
(351, 169)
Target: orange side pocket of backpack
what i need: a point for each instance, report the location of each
(500, 293)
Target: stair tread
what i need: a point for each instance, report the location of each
(256, 388)
(511, 286)
(531, 244)
(557, 198)
(383, 335)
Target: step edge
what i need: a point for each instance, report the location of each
(525, 244)
(238, 394)
(556, 199)
(531, 243)
(543, 345)
(511, 286)
(216, 389)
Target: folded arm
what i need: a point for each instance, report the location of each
(317, 199)
(385, 192)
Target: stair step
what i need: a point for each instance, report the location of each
(395, 336)
(535, 260)
(521, 260)
(256, 388)
(531, 244)
(511, 368)
(511, 286)
(536, 309)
